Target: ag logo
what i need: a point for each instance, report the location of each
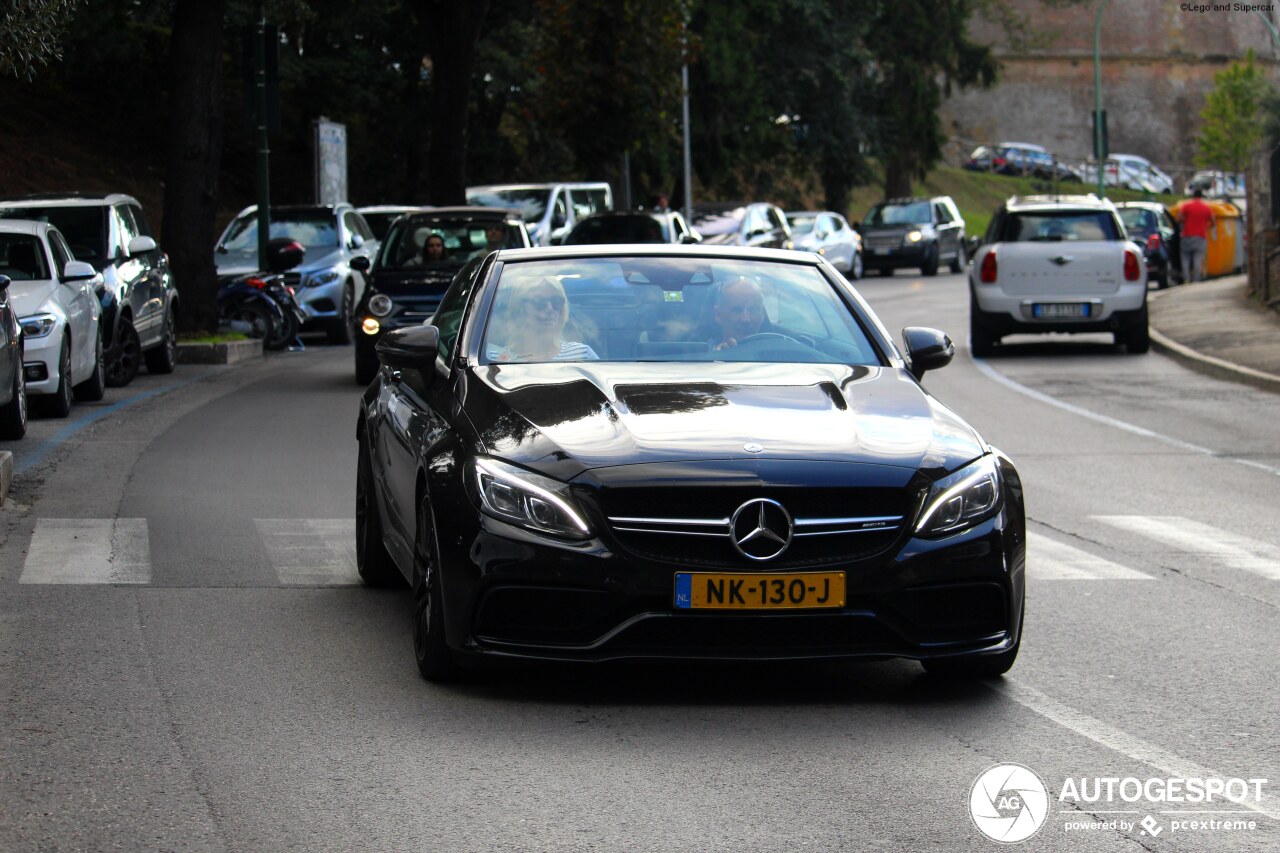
(1008, 803)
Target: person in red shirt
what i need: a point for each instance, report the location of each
(1197, 219)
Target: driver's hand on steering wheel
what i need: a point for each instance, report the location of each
(726, 344)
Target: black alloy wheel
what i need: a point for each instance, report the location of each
(340, 331)
(930, 265)
(372, 559)
(164, 358)
(94, 388)
(13, 414)
(58, 404)
(125, 357)
(435, 659)
(958, 262)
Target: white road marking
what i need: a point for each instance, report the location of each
(1200, 539)
(1051, 560)
(311, 551)
(1042, 397)
(88, 551)
(1122, 742)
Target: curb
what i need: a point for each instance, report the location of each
(229, 352)
(6, 474)
(1215, 367)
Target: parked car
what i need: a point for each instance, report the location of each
(404, 289)
(637, 226)
(914, 232)
(1217, 184)
(326, 285)
(797, 494)
(138, 296)
(13, 394)
(1020, 158)
(1136, 173)
(380, 216)
(551, 210)
(1149, 224)
(58, 309)
(759, 225)
(828, 234)
(1057, 264)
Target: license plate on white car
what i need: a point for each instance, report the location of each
(1054, 310)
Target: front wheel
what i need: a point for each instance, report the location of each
(13, 414)
(373, 562)
(435, 659)
(95, 387)
(856, 269)
(930, 265)
(125, 357)
(957, 263)
(164, 358)
(58, 404)
(340, 331)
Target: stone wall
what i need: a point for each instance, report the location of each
(1157, 66)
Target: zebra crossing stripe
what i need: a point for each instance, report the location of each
(1051, 560)
(88, 551)
(1200, 539)
(311, 551)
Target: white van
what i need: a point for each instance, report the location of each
(551, 210)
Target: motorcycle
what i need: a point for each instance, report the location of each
(262, 305)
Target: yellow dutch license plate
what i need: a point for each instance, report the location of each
(730, 591)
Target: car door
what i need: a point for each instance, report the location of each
(151, 284)
(78, 302)
(948, 231)
(365, 246)
(132, 272)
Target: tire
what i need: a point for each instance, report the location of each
(58, 404)
(886, 272)
(1137, 338)
(856, 269)
(366, 370)
(125, 357)
(930, 265)
(436, 662)
(92, 389)
(958, 262)
(340, 331)
(283, 331)
(164, 358)
(13, 414)
(373, 562)
(982, 342)
(973, 666)
(262, 324)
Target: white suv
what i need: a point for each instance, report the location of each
(1057, 264)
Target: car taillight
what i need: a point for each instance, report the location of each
(1153, 242)
(997, 161)
(255, 282)
(987, 273)
(1132, 271)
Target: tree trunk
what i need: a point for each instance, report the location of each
(897, 179)
(194, 157)
(452, 32)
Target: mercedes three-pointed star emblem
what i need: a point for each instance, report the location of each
(761, 529)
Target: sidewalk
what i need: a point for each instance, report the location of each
(1215, 328)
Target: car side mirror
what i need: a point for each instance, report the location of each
(4, 283)
(361, 264)
(356, 241)
(411, 348)
(81, 271)
(557, 220)
(140, 245)
(927, 349)
(689, 239)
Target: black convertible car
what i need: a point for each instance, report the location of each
(600, 453)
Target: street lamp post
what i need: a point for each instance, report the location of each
(1097, 95)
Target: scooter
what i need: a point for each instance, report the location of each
(262, 305)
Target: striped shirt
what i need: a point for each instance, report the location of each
(569, 351)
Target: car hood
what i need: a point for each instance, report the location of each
(433, 280)
(29, 296)
(565, 419)
(240, 263)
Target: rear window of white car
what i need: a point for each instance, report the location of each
(1056, 226)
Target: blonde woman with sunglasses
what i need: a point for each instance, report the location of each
(534, 325)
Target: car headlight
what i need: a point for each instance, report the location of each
(380, 305)
(515, 495)
(322, 278)
(961, 499)
(914, 236)
(38, 325)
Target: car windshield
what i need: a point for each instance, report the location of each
(1138, 219)
(531, 201)
(915, 213)
(801, 225)
(22, 259)
(84, 227)
(1059, 225)
(380, 221)
(673, 309)
(617, 229)
(406, 244)
(314, 229)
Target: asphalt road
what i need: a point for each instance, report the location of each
(187, 663)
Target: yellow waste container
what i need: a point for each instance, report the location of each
(1225, 253)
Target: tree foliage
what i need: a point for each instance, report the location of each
(31, 34)
(1230, 120)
